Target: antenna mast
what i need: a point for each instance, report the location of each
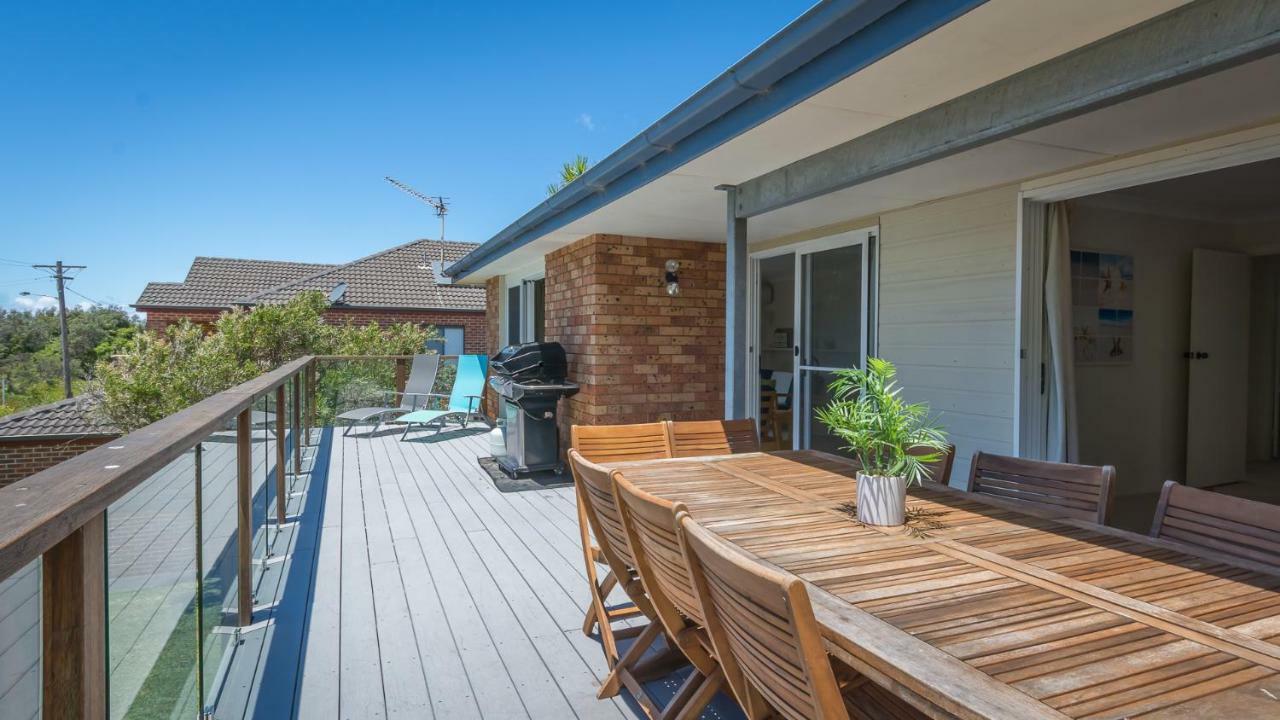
(439, 202)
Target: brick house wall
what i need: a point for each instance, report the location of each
(639, 354)
(493, 313)
(475, 327)
(160, 318)
(22, 458)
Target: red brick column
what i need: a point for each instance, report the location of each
(639, 354)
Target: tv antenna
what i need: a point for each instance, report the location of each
(440, 203)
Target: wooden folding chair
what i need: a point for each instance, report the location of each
(650, 522)
(605, 444)
(690, 438)
(605, 518)
(1233, 526)
(1085, 492)
(764, 633)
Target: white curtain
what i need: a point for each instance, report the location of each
(1062, 439)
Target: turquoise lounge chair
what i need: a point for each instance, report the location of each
(464, 399)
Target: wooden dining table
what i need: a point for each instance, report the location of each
(978, 609)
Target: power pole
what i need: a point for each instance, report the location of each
(60, 274)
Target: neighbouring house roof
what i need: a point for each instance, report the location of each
(215, 282)
(401, 277)
(398, 278)
(66, 419)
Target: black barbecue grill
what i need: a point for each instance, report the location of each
(530, 379)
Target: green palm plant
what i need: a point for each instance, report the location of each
(569, 172)
(887, 435)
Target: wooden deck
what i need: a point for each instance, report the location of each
(413, 587)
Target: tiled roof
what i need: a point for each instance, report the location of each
(397, 278)
(220, 282)
(75, 417)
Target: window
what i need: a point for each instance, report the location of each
(514, 318)
(526, 320)
(450, 342)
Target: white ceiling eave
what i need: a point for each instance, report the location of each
(990, 42)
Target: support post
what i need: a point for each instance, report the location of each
(735, 308)
(297, 424)
(402, 376)
(244, 515)
(74, 579)
(282, 427)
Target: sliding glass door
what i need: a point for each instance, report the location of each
(826, 328)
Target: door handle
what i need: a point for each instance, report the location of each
(795, 350)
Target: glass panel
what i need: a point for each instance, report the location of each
(151, 596)
(218, 552)
(832, 308)
(20, 643)
(514, 318)
(775, 312)
(814, 394)
(262, 490)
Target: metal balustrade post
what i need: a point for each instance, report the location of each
(281, 428)
(244, 514)
(74, 637)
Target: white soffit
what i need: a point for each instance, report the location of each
(990, 42)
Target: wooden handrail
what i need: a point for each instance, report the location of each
(38, 512)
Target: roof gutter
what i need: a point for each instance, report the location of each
(831, 41)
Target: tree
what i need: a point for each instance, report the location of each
(158, 374)
(569, 172)
(30, 352)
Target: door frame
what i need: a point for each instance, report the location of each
(867, 237)
(1216, 153)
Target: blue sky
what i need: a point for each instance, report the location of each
(137, 135)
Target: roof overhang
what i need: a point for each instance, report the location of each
(829, 42)
(932, 63)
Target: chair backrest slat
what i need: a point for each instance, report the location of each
(422, 377)
(656, 546)
(1229, 525)
(1077, 491)
(596, 488)
(689, 438)
(762, 627)
(621, 443)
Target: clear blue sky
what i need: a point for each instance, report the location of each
(136, 135)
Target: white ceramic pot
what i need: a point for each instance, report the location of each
(882, 500)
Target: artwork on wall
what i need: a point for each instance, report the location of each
(1102, 307)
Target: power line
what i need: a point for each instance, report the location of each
(86, 297)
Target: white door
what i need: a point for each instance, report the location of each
(1218, 373)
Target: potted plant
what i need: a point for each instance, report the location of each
(896, 442)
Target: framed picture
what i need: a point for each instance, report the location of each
(781, 339)
(1102, 318)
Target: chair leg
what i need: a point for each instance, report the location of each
(612, 684)
(699, 696)
(606, 587)
(405, 434)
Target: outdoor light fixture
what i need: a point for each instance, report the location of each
(673, 280)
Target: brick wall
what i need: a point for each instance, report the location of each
(493, 313)
(639, 354)
(159, 319)
(21, 458)
(475, 327)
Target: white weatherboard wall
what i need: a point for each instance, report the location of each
(947, 306)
